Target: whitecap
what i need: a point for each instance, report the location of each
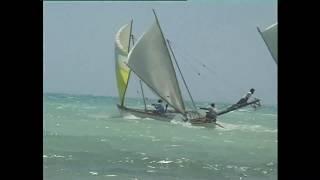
(60, 107)
(164, 162)
(244, 110)
(246, 127)
(93, 173)
(270, 164)
(58, 156)
(208, 166)
(175, 145)
(148, 119)
(229, 166)
(244, 168)
(131, 116)
(271, 130)
(151, 171)
(185, 124)
(185, 159)
(110, 175)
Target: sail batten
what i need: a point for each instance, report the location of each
(121, 57)
(270, 37)
(150, 60)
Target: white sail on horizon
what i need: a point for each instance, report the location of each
(270, 37)
(150, 60)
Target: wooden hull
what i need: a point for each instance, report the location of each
(202, 122)
(162, 117)
(146, 114)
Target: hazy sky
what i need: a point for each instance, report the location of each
(79, 46)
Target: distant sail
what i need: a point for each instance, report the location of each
(270, 37)
(150, 60)
(121, 57)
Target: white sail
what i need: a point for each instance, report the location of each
(150, 60)
(270, 37)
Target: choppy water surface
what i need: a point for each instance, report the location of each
(85, 138)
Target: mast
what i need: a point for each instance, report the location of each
(130, 35)
(125, 90)
(164, 41)
(144, 101)
(174, 57)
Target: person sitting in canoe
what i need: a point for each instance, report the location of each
(211, 115)
(159, 107)
(245, 98)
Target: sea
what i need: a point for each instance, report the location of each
(85, 138)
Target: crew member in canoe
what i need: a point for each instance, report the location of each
(246, 97)
(159, 107)
(211, 115)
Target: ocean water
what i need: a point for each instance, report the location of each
(84, 137)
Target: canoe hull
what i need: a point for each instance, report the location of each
(202, 122)
(141, 113)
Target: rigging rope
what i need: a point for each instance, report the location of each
(193, 66)
(210, 70)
